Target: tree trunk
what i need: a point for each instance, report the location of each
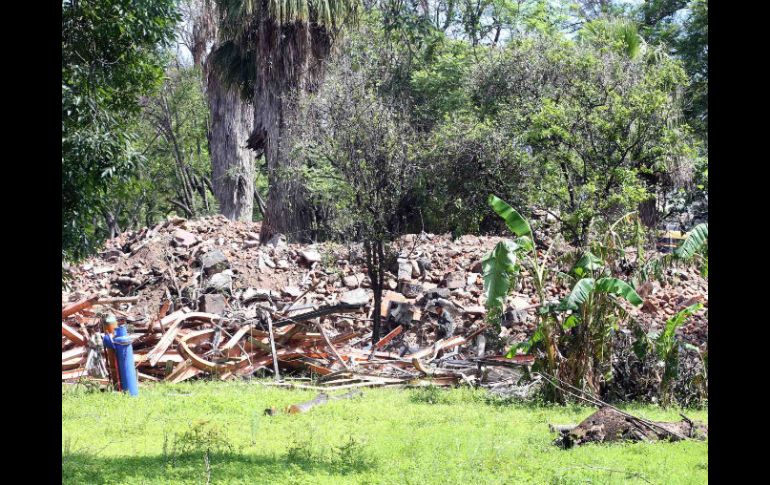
(292, 62)
(232, 164)
(230, 123)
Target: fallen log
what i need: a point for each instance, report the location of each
(609, 425)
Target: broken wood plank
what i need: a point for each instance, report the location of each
(165, 341)
(72, 334)
(78, 306)
(390, 336)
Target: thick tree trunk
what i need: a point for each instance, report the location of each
(287, 210)
(232, 164)
(292, 62)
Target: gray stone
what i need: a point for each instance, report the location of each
(259, 294)
(455, 280)
(350, 281)
(283, 264)
(220, 282)
(416, 273)
(473, 279)
(215, 304)
(411, 290)
(184, 239)
(355, 297)
(404, 271)
(310, 256)
(278, 240)
(214, 262)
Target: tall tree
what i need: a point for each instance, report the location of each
(231, 118)
(270, 48)
(110, 58)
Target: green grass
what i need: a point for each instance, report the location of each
(388, 436)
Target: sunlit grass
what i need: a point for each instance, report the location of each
(387, 436)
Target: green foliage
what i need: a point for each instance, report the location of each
(597, 130)
(500, 268)
(109, 59)
(667, 349)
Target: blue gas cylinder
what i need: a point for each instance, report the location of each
(124, 351)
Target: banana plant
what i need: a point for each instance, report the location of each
(693, 248)
(591, 313)
(667, 348)
(502, 266)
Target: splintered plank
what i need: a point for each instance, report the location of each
(73, 374)
(236, 338)
(72, 353)
(78, 306)
(390, 336)
(182, 372)
(72, 334)
(440, 345)
(154, 355)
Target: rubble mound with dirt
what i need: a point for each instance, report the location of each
(220, 267)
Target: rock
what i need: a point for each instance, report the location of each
(267, 261)
(477, 267)
(424, 264)
(215, 304)
(455, 280)
(283, 264)
(472, 279)
(404, 271)
(292, 291)
(650, 307)
(416, 273)
(391, 284)
(645, 289)
(437, 293)
(350, 281)
(355, 297)
(474, 310)
(519, 303)
(278, 240)
(259, 294)
(220, 282)
(310, 256)
(411, 290)
(214, 262)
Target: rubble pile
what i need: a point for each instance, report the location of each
(198, 297)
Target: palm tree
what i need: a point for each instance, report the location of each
(271, 48)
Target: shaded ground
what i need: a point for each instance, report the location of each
(423, 436)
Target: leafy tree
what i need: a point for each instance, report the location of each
(110, 57)
(349, 138)
(600, 129)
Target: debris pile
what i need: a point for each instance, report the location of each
(610, 424)
(199, 297)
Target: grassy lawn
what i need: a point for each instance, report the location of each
(388, 436)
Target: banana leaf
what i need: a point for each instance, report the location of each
(697, 238)
(618, 287)
(499, 267)
(515, 222)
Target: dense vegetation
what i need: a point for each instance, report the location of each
(419, 110)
